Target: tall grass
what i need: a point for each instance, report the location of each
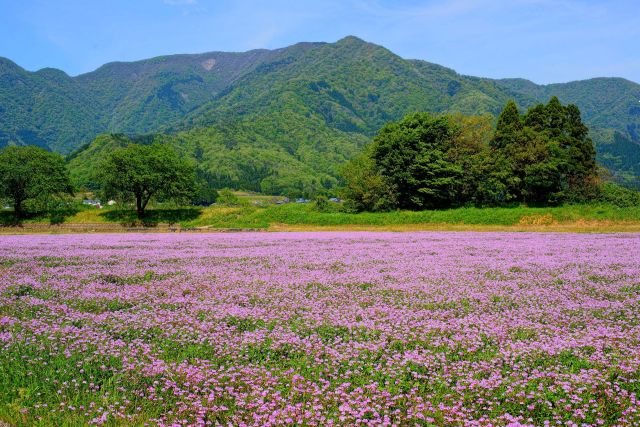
(292, 214)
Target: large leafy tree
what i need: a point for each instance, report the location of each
(413, 157)
(142, 172)
(30, 174)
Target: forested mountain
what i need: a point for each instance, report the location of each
(53, 110)
(275, 120)
(46, 108)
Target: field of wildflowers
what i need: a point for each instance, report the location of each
(264, 329)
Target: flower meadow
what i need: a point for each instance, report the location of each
(320, 329)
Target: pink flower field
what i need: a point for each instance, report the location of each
(320, 329)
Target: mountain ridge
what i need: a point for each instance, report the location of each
(343, 39)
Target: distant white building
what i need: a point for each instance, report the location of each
(92, 202)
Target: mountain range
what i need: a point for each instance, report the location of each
(281, 120)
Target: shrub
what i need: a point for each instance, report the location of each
(321, 203)
(226, 197)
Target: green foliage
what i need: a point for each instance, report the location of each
(281, 121)
(31, 175)
(426, 161)
(573, 216)
(226, 197)
(142, 172)
(621, 157)
(84, 163)
(552, 156)
(321, 203)
(45, 108)
(412, 156)
(442, 161)
(616, 195)
(485, 178)
(242, 156)
(365, 189)
(508, 127)
(275, 153)
(204, 194)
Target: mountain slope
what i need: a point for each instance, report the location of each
(144, 96)
(354, 86)
(50, 109)
(310, 106)
(45, 108)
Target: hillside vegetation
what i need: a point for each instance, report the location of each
(272, 120)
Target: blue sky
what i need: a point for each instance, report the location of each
(542, 40)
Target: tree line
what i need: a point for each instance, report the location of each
(423, 161)
(426, 161)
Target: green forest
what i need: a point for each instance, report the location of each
(282, 121)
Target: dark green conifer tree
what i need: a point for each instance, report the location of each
(508, 127)
(554, 122)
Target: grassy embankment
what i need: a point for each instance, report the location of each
(299, 217)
